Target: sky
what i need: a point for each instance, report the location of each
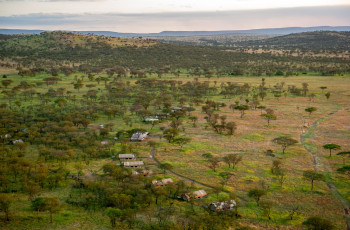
(148, 16)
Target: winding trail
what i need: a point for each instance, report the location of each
(317, 161)
(318, 164)
(176, 174)
(153, 151)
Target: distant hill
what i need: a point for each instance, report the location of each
(50, 50)
(318, 40)
(274, 31)
(19, 31)
(64, 40)
(267, 31)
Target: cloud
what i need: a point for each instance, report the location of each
(53, 0)
(71, 0)
(155, 22)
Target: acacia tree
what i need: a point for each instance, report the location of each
(293, 209)
(343, 154)
(207, 156)
(323, 88)
(214, 163)
(310, 110)
(316, 223)
(328, 94)
(269, 117)
(284, 142)
(194, 119)
(6, 83)
(38, 204)
(242, 109)
(313, 176)
(113, 214)
(266, 206)
(305, 88)
(78, 85)
(262, 95)
(170, 134)
(331, 147)
(256, 194)
(231, 127)
(261, 107)
(276, 166)
(182, 141)
(344, 169)
(5, 202)
(225, 178)
(232, 159)
(53, 205)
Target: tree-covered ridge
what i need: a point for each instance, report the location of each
(227, 40)
(58, 40)
(51, 50)
(314, 41)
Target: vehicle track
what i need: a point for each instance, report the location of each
(317, 161)
(187, 178)
(153, 151)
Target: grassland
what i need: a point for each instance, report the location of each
(251, 140)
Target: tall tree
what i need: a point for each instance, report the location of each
(269, 117)
(231, 127)
(53, 205)
(318, 223)
(256, 194)
(6, 83)
(113, 214)
(170, 134)
(242, 109)
(232, 159)
(78, 85)
(310, 110)
(182, 141)
(343, 154)
(331, 147)
(312, 176)
(5, 203)
(284, 142)
(266, 206)
(214, 163)
(328, 94)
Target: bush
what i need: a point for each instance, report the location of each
(318, 223)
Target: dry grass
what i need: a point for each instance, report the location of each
(253, 137)
(251, 140)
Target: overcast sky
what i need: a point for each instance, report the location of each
(159, 15)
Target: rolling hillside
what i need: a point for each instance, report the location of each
(318, 40)
(47, 48)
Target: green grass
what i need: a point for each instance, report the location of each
(251, 140)
(254, 137)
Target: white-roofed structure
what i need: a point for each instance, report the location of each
(133, 164)
(162, 182)
(223, 206)
(142, 173)
(128, 156)
(151, 119)
(196, 195)
(139, 136)
(199, 194)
